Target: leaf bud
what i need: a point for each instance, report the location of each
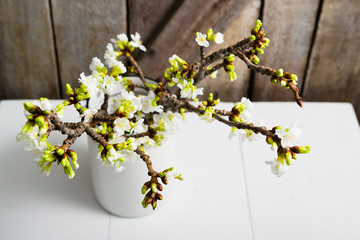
(158, 196)
(159, 187)
(164, 180)
(154, 204)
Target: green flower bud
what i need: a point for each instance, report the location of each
(274, 81)
(281, 159)
(304, 149)
(152, 86)
(269, 140)
(279, 72)
(40, 120)
(230, 67)
(283, 83)
(255, 59)
(144, 189)
(154, 187)
(232, 75)
(77, 106)
(252, 37)
(31, 108)
(73, 155)
(68, 90)
(288, 158)
(293, 77)
(230, 58)
(30, 117)
(71, 173)
(144, 203)
(60, 151)
(209, 34)
(259, 50)
(211, 97)
(65, 162)
(75, 164)
(216, 102)
(258, 23)
(48, 157)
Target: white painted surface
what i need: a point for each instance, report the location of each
(317, 199)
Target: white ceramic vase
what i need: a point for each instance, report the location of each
(120, 192)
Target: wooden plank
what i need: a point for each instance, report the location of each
(83, 28)
(178, 35)
(27, 63)
(237, 25)
(289, 24)
(144, 21)
(334, 68)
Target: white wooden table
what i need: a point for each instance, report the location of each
(229, 192)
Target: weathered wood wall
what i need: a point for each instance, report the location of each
(47, 43)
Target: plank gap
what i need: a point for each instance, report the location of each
(318, 14)
(128, 18)
(60, 89)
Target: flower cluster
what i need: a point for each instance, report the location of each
(203, 39)
(126, 124)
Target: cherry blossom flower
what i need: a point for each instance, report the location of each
(277, 168)
(95, 64)
(201, 39)
(122, 37)
(89, 114)
(91, 84)
(188, 90)
(288, 135)
(121, 125)
(136, 42)
(108, 85)
(219, 38)
(45, 104)
(149, 104)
